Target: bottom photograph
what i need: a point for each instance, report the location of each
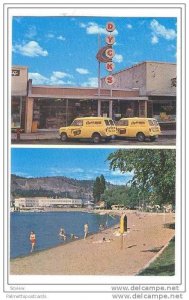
(92, 211)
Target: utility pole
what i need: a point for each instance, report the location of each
(99, 83)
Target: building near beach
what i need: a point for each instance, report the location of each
(42, 202)
(147, 89)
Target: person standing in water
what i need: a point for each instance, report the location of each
(86, 230)
(32, 240)
(62, 234)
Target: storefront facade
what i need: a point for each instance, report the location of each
(50, 107)
(19, 91)
(157, 82)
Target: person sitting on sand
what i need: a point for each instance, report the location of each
(73, 236)
(62, 234)
(102, 241)
(32, 240)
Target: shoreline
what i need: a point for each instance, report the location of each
(115, 226)
(146, 236)
(69, 239)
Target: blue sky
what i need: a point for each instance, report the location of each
(62, 50)
(73, 163)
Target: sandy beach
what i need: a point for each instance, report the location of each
(147, 234)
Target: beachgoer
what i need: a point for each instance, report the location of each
(32, 240)
(86, 230)
(101, 227)
(62, 234)
(102, 241)
(73, 236)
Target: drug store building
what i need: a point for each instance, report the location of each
(135, 93)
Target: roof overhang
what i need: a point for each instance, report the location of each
(39, 96)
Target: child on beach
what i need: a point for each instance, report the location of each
(32, 240)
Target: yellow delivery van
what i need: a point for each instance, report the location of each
(140, 128)
(94, 128)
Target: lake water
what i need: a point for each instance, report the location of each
(46, 226)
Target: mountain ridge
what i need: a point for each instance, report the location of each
(52, 186)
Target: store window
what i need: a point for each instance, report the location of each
(16, 112)
(165, 111)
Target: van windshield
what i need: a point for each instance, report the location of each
(153, 122)
(77, 123)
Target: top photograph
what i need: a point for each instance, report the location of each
(93, 80)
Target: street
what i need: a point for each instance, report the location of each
(163, 140)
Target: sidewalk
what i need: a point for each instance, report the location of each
(53, 135)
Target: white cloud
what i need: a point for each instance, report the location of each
(94, 28)
(159, 30)
(82, 71)
(57, 78)
(32, 31)
(61, 38)
(82, 25)
(38, 78)
(154, 39)
(129, 26)
(31, 49)
(50, 35)
(58, 74)
(54, 36)
(118, 58)
(92, 82)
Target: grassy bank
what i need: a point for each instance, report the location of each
(164, 265)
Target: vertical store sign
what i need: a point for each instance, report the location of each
(110, 53)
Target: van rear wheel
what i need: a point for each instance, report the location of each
(96, 138)
(140, 137)
(63, 137)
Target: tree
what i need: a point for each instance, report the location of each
(102, 184)
(129, 196)
(153, 170)
(99, 188)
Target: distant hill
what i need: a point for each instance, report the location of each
(58, 186)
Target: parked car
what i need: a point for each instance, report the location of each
(94, 128)
(140, 128)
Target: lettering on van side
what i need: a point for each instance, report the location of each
(137, 123)
(93, 123)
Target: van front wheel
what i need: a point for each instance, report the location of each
(96, 138)
(63, 137)
(140, 137)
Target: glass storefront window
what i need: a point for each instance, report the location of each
(16, 112)
(165, 111)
